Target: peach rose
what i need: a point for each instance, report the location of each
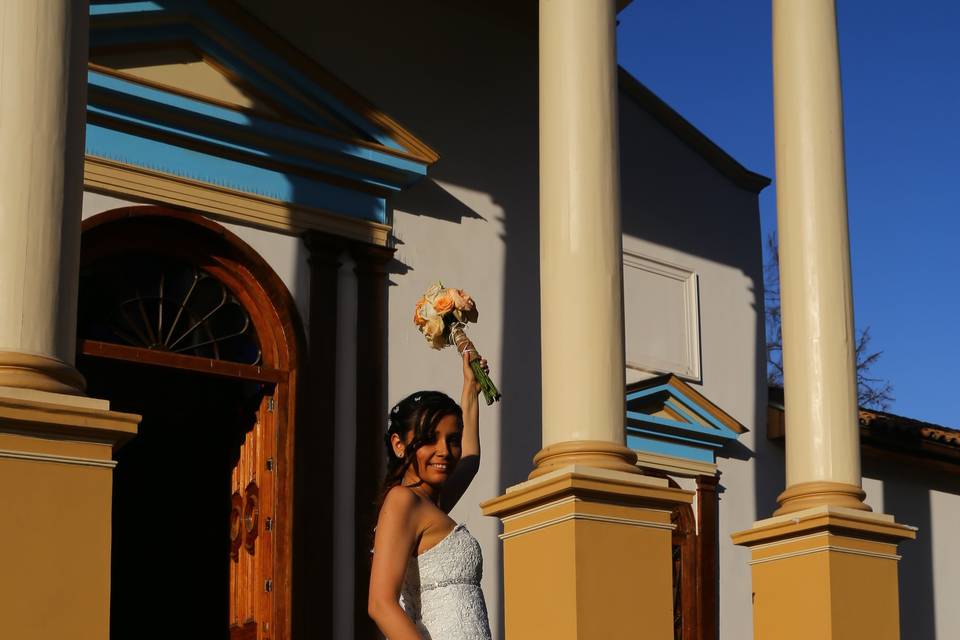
(443, 303)
(418, 312)
(433, 332)
(461, 299)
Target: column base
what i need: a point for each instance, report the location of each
(807, 495)
(43, 373)
(825, 572)
(56, 467)
(587, 553)
(598, 454)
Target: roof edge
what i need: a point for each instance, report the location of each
(666, 115)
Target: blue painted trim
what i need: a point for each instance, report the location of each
(687, 402)
(677, 450)
(681, 427)
(99, 9)
(166, 158)
(691, 438)
(409, 170)
(263, 55)
(673, 404)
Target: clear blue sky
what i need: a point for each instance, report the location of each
(900, 66)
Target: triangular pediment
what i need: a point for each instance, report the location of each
(182, 67)
(203, 91)
(668, 417)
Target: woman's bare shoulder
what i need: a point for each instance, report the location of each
(401, 501)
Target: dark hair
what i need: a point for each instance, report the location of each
(419, 412)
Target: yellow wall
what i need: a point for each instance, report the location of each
(55, 540)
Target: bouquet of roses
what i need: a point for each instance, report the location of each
(441, 315)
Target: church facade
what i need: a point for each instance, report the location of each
(218, 218)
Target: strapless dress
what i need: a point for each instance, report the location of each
(441, 590)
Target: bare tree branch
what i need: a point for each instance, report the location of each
(872, 392)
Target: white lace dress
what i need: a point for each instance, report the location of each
(441, 590)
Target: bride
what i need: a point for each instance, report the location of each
(425, 578)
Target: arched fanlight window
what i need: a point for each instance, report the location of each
(157, 303)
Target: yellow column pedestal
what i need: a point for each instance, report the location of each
(56, 471)
(587, 554)
(826, 573)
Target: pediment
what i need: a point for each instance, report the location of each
(204, 92)
(187, 69)
(668, 417)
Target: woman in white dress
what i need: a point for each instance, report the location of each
(425, 577)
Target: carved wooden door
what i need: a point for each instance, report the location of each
(251, 530)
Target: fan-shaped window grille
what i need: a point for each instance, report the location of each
(168, 305)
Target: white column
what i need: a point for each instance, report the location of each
(43, 56)
(581, 264)
(822, 436)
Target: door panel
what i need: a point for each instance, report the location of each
(251, 566)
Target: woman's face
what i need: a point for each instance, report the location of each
(436, 460)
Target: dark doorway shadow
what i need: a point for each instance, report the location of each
(172, 495)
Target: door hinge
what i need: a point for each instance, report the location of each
(270, 404)
(268, 585)
(269, 464)
(268, 524)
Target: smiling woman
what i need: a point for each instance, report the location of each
(425, 576)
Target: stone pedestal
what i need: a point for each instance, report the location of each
(587, 554)
(56, 470)
(825, 572)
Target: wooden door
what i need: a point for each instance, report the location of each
(183, 323)
(251, 530)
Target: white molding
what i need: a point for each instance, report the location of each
(827, 547)
(819, 549)
(674, 465)
(649, 524)
(689, 368)
(541, 508)
(9, 454)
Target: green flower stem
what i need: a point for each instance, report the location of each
(490, 392)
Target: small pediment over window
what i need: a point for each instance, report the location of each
(667, 418)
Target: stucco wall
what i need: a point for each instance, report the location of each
(927, 497)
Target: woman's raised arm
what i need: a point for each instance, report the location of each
(469, 463)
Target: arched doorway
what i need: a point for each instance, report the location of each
(183, 323)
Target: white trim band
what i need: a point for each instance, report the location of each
(541, 508)
(50, 457)
(806, 552)
(650, 524)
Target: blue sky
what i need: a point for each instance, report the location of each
(710, 60)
